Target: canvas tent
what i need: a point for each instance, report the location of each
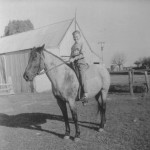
(15, 49)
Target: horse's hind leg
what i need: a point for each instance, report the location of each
(73, 109)
(63, 107)
(102, 107)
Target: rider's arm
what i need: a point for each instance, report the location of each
(80, 56)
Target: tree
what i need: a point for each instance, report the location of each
(137, 63)
(143, 62)
(146, 62)
(18, 26)
(119, 59)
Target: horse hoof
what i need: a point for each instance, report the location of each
(101, 130)
(66, 137)
(77, 139)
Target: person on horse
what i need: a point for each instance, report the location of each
(78, 60)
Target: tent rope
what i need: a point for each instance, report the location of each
(46, 71)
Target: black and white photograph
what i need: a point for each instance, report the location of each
(74, 75)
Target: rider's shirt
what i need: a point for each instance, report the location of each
(77, 54)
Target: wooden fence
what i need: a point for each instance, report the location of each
(7, 88)
(131, 81)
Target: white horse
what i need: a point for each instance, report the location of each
(65, 84)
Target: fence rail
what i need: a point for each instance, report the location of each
(136, 72)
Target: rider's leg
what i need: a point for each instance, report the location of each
(82, 69)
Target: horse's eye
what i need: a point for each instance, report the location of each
(35, 67)
(34, 56)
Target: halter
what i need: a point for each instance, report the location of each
(46, 71)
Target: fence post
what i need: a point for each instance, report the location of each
(131, 83)
(147, 80)
(133, 76)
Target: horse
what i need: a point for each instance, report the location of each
(65, 84)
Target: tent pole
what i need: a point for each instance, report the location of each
(75, 19)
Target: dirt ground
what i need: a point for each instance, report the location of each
(34, 122)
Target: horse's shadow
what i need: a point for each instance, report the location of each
(34, 121)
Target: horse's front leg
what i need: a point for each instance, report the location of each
(63, 107)
(73, 109)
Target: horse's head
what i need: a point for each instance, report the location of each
(35, 63)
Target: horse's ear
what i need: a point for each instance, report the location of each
(34, 48)
(40, 49)
(43, 46)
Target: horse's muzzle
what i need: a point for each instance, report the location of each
(25, 76)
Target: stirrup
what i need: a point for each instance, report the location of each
(84, 100)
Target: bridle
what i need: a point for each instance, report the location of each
(39, 68)
(46, 71)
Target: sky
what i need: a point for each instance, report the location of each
(124, 25)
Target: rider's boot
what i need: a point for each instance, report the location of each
(84, 99)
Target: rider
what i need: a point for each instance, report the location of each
(77, 58)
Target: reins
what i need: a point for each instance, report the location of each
(46, 71)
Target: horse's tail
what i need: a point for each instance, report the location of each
(98, 106)
(98, 109)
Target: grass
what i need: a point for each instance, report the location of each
(34, 121)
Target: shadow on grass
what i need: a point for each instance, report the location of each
(34, 120)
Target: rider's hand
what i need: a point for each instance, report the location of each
(71, 60)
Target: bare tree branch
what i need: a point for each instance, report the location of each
(119, 59)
